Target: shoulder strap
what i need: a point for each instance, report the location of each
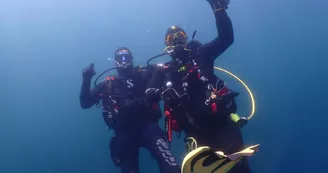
(109, 81)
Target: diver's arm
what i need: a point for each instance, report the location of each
(225, 37)
(89, 98)
(154, 86)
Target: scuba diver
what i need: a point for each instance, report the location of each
(126, 111)
(196, 101)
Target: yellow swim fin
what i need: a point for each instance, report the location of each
(206, 160)
(248, 152)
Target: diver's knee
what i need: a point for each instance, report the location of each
(114, 149)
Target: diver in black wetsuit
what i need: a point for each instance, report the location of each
(133, 118)
(196, 100)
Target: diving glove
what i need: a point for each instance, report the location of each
(88, 72)
(171, 97)
(218, 5)
(240, 121)
(153, 94)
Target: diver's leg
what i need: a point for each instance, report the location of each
(229, 142)
(235, 137)
(227, 137)
(125, 152)
(153, 139)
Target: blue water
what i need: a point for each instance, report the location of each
(280, 50)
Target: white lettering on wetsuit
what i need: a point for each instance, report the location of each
(130, 84)
(163, 147)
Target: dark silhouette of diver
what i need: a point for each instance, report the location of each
(126, 111)
(196, 100)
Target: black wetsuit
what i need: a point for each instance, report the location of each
(209, 127)
(134, 120)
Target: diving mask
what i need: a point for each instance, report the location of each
(123, 58)
(176, 38)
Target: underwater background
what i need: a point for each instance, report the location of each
(280, 51)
